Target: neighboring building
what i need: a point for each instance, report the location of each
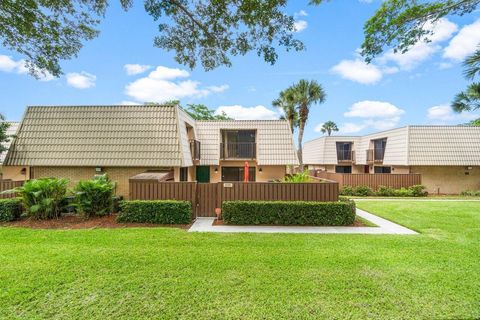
(12, 129)
(78, 142)
(447, 157)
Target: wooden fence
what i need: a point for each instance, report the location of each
(205, 197)
(372, 180)
(8, 185)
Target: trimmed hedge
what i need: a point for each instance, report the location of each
(10, 209)
(156, 211)
(382, 191)
(289, 212)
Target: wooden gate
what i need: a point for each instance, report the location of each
(206, 199)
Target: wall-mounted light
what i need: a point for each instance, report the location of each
(98, 169)
(216, 170)
(23, 171)
(260, 170)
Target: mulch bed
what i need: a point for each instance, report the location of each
(77, 222)
(357, 223)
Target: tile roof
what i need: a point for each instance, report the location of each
(444, 145)
(10, 132)
(97, 136)
(274, 140)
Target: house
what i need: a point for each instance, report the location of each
(12, 129)
(78, 142)
(447, 157)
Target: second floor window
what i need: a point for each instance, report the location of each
(344, 151)
(238, 144)
(379, 148)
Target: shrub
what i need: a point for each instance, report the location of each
(300, 177)
(383, 191)
(43, 198)
(471, 193)
(347, 191)
(95, 197)
(156, 211)
(363, 191)
(10, 209)
(289, 212)
(418, 190)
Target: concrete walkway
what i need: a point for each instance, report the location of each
(384, 227)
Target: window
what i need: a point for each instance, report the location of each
(344, 151)
(343, 169)
(238, 144)
(379, 149)
(236, 174)
(184, 174)
(383, 170)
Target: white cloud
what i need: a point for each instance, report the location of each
(82, 80)
(162, 84)
(443, 30)
(132, 69)
(464, 43)
(248, 113)
(444, 113)
(218, 89)
(373, 109)
(7, 64)
(301, 13)
(377, 115)
(300, 25)
(357, 70)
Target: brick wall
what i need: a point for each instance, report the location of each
(118, 174)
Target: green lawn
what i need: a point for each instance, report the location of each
(171, 274)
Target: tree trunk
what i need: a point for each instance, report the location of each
(300, 139)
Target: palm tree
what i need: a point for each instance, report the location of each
(469, 99)
(303, 94)
(328, 127)
(289, 112)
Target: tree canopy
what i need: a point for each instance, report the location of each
(329, 127)
(208, 32)
(399, 24)
(4, 125)
(202, 112)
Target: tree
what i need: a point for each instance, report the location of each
(328, 127)
(285, 103)
(469, 99)
(475, 123)
(400, 24)
(198, 32)
(4, 125)
(303, 95)
(201, 112)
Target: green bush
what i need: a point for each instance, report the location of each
(300, 177)
(95, 197)
(44, 198)
(10, 209)
(347, 191)
(363, 191)
(471, 193)
(418, 190)
(289, 212)
(383, 191)
(156, 211)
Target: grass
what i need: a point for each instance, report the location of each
(171, 274)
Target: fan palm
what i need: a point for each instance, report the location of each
(289, 112)
(328, 127)
(469, 100)
(303, 95)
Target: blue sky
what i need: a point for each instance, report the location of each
(395, 90)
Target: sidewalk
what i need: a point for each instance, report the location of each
(384, 227)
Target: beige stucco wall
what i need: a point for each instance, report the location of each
(448, 180)
(268, 173)
(118, 174)
(15, 173)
